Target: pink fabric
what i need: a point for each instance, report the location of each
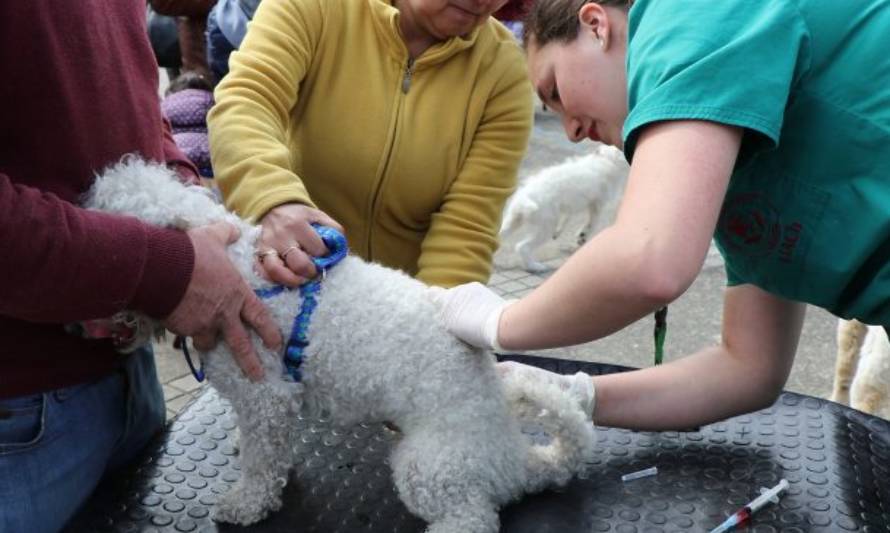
(187, 112)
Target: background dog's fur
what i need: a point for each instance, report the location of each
(541, 208)
(377, 352)
(862, 370)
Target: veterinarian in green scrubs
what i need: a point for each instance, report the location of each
(765, 125)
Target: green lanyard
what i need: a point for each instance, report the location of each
(661, 327)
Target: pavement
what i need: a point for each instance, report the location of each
(693, 320)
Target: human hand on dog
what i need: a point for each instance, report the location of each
(219, 301)
(288, 243)
(471, 312)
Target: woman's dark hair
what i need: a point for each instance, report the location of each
(188, 80)
(557, 20)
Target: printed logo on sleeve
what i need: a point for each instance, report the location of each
(751, 225)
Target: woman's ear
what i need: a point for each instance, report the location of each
(595, 22)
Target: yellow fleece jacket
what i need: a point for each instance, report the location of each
(415, 159)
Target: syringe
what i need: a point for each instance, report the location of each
(743, 514)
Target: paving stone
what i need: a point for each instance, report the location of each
(186, 383)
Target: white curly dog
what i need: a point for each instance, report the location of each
(539, 209)
(376, 352)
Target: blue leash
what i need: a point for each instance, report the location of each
(299, 338)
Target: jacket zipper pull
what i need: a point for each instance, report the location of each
(409, 71)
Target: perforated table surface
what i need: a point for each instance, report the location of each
(836, 459)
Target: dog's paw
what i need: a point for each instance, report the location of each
(841, 396)
(236, 439)
(536, 267)
(245, 507)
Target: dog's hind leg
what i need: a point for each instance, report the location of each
(850, 337)
(870, 387)
(589, 227)
(266, 419)
(561, 222)
(450, 481)
(527, 246)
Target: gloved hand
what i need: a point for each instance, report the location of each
(471, 312)
(579, 385)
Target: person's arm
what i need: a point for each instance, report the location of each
(62, 263)
(248, 124)
(248, 130)
(649, 256)
(463, 234)
(744, 373)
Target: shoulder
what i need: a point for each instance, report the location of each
(497, 38)
(692, 27)
(734, 62)
(500, 51)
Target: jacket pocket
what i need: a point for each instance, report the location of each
(22, 423)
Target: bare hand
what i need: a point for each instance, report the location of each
(219, 301)
(287, 230)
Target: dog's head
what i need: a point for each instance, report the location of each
(153, 193)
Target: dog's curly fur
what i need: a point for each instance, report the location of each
(377, 352)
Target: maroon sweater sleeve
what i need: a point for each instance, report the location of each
(62, 263)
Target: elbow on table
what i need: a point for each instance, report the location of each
(772, 384)
(760, 386)
(765, 396)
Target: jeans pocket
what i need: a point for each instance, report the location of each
(22, 423)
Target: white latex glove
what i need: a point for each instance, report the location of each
(578, 385)
(471, 312)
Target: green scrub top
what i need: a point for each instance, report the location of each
(807, 213)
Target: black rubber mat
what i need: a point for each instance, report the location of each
(837, 461)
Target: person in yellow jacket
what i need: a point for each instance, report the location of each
(404, 121)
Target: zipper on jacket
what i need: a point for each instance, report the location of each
(406, 79)
(390, 146)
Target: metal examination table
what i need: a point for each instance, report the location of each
(836, 459)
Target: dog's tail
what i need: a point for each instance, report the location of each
(518, 208)
(546, 406)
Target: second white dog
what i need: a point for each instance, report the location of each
(376, 352)
(537, 212)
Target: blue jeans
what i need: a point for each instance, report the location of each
(55, 446)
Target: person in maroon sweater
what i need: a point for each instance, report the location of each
(79, 92)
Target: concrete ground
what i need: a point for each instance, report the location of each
(693, 321)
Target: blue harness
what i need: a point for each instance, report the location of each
(299, 338)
